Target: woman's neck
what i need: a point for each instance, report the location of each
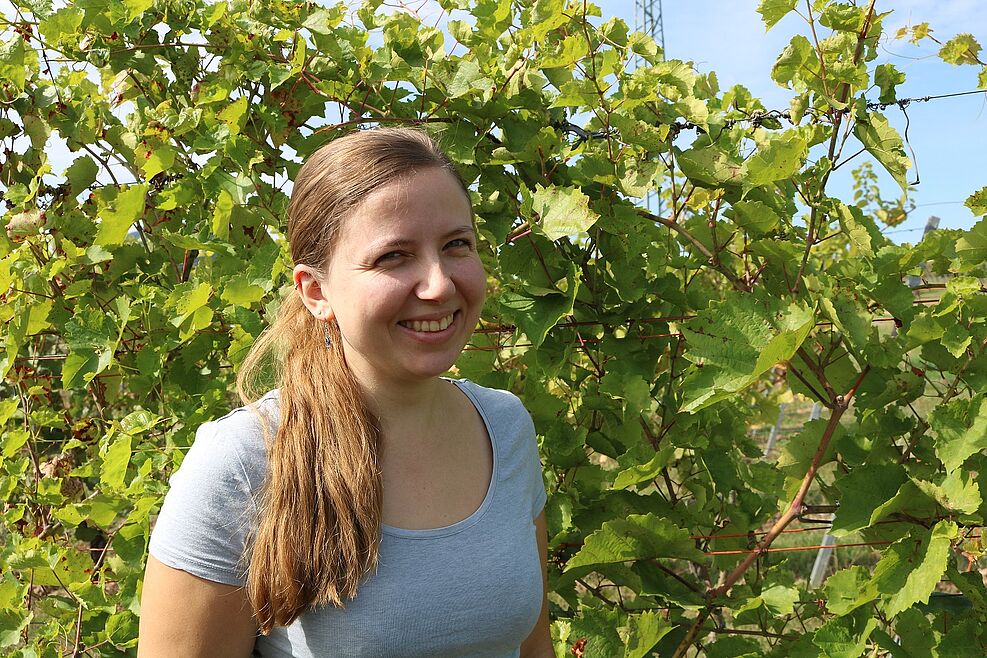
(408, 412)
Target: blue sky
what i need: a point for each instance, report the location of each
(949, 136)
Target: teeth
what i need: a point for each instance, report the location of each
(428, 326)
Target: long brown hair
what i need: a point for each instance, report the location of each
(319, 518)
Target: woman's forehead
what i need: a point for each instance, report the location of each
(431, 200)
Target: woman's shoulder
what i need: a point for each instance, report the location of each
(250, 419)
(235, 444)
(496, 405)
(486, 394)
(211, 504)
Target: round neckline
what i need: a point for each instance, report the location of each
(472, 519)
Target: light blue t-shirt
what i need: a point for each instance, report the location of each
(473, 588)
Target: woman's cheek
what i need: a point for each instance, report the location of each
(477, 278)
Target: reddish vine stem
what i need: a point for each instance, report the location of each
(840, 405)
(690, 637)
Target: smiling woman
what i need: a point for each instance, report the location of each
(368, 506)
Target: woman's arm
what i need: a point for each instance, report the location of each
(539, 642)
(190, 617)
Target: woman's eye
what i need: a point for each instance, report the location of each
(389, 256)
(460, 243)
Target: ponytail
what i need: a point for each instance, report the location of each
(321, 503)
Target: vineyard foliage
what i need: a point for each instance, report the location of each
(647, 343)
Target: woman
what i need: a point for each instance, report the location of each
(368, 506)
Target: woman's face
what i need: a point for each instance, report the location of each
(405, 283)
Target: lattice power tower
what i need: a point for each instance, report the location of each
(647, 19)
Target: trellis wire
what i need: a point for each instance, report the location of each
(759, 117)
(505, 329)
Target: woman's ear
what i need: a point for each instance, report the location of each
(311, 287)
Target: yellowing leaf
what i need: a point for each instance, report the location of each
(12, 62)
(777, 158)
(961, 49)
(156, 159)
(564, 212)
(977, 202)
(117, 217)
(233, 114)
(136, 7)
(221, 215)
(773, 11)
(215, 12)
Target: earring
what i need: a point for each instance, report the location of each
(325, 326)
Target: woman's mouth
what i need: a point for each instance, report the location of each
(429, 326)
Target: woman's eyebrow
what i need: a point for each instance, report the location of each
(401, 244)
(390, 244)
(465, 228)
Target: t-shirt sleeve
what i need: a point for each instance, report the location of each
(205, 518)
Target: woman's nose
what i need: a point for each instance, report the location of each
(436, 281)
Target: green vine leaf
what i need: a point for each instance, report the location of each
(912, 567)
(884, 143)
(644, 631)
(960, 430)
(666, 301)
(736, 341)
(777, 158)
(862, 492)
(845, 637)
(637, 537)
